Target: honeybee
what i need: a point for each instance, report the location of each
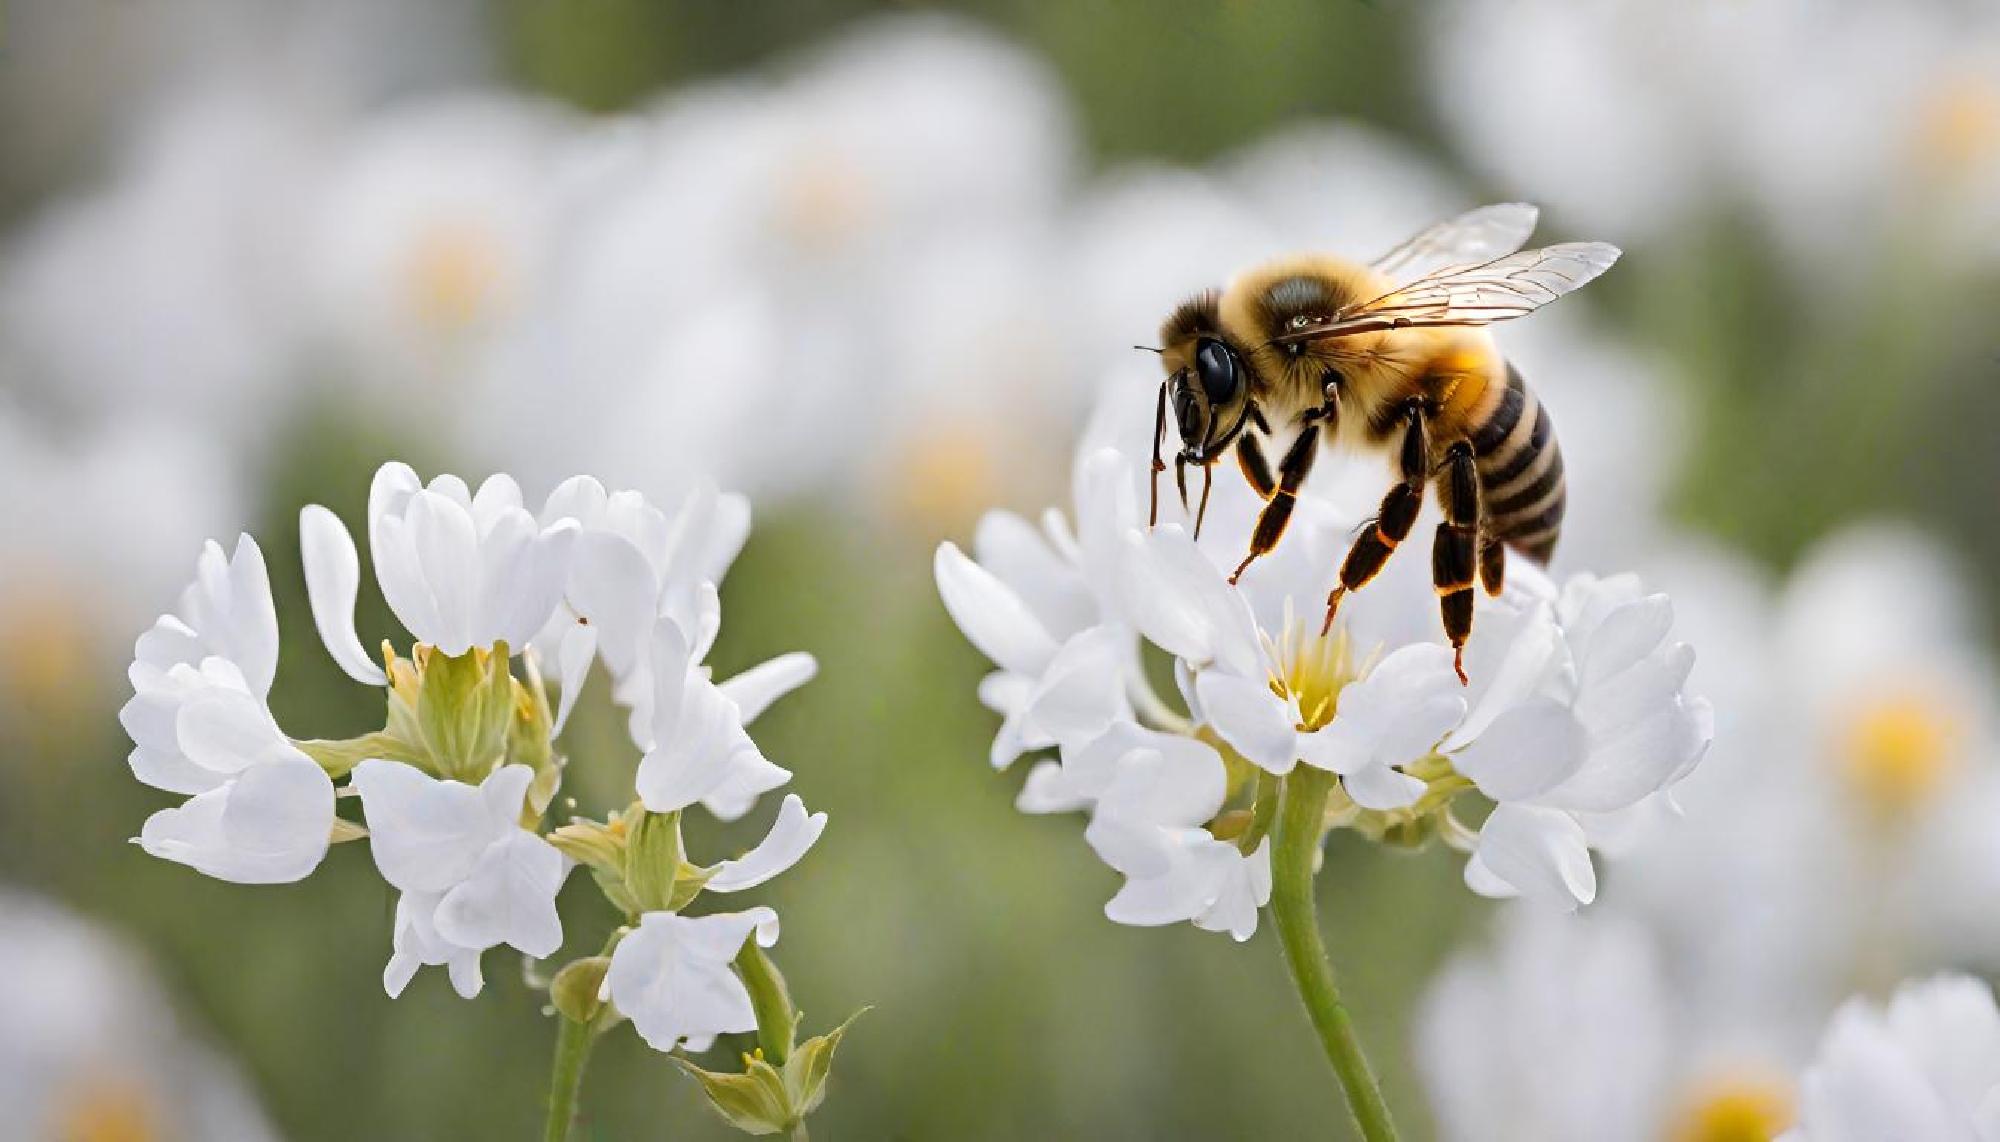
(1391, 357)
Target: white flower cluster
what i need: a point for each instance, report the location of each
(1575, 726)
(454, 789)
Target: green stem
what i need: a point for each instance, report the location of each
(1292, 908)
(573, 1043)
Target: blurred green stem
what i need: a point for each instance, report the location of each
(573, 1043)
(1299, 827)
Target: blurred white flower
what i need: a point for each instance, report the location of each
(1840, 838)
(433, 233)
(90, 1046)
(472, 877)
(1571, 1030)
(671, 976)
(260, 812)
(1926, 1066)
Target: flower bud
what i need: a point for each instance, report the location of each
(575, 991)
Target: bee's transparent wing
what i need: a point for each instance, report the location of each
(1499, 290)
(1476, 236)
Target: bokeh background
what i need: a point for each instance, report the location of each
(876, 265)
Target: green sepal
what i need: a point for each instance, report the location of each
(809, 1067)
(688, 883)
(653, 859)
(612, 884)
(465, 706)
(339, 756)
(755, 1102)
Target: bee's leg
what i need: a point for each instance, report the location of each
(1292, 472)
(1256, 469)
(1492, 562)
(1452, 553)
(1393, 520)
(1207, 481)
(1159, 466)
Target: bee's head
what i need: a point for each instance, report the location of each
(1208, 380)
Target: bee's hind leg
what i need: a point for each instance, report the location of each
(1452, 552)
(1292, 472)
(1393, 520)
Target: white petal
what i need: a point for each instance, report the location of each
(1627, 634)
(1251, 718)
(426, 834)
(992, 617)
(1083, 689)
(1526, 751)
(510, 898)
(612, 585)
(1182, 603)
(401, 576)
(1512, 656)
(1380, 787)
(446, 544)
(578, 647)
(333, 579)
(692, 756)
(269, 826)
(757, 688)
(1542, 853)
(792, 835)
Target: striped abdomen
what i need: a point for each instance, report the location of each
(1520, 473)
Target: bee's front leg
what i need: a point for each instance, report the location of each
(1292, 472)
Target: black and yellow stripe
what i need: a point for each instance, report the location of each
(1521, 472)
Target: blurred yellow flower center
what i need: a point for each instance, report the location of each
(103, 1109)
(44, 641)
(1736, 1108)
(455, 271)
(1899, 751)
(824, 202)
(1312, 670)
(948, 475)
(1958, 128)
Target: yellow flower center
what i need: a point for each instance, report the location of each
(455, 274)
(1899, 751)
(1313, 669)
(105, 1109)
(1736, 1108)
(1958, 127)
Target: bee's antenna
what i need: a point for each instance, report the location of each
(1180, 477)
(1207, 478)
(1150, 349)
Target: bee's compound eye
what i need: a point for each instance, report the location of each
(1216, 364)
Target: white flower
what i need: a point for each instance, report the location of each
(260, 812)
(460, 570)
(471, 876)
(671, 976)
(1174, 875)
(1581, 720)
(1927, 1066)
(633, 565)
(1575, 1029)
(697, 748)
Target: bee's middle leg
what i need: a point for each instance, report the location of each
(1452, 553)
(1279, 497)
(1393, 520)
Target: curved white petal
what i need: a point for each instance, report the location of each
(1542, 853)
(792, 835)
(333, 580)
(1380, 787)
(992, 616)
(578, 647)
(757, 688)
(1250, 717)
(671, 975)
(269, 826)
(426, 834)
(1525, 752)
